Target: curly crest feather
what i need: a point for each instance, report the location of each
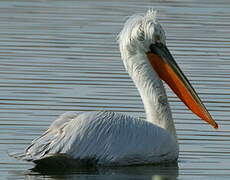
(139, 32)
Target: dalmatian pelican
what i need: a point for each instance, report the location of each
(111, 138)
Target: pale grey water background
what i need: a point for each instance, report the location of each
(58, 56)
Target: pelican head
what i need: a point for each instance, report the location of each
(143, 43)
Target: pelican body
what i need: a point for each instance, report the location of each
(112, 138)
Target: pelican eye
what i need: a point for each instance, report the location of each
(159, 44)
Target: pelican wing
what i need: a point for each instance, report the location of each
(108, 137)
(41, 145)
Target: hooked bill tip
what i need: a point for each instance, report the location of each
(215, 126)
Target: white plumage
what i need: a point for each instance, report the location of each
(112, 138)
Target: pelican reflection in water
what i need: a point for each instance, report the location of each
(111, 138)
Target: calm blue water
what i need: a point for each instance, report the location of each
(58, 56)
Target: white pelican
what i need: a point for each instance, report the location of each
(112, 138)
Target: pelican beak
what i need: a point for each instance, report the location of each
(168, 70)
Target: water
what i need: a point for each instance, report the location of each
(58, 56)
